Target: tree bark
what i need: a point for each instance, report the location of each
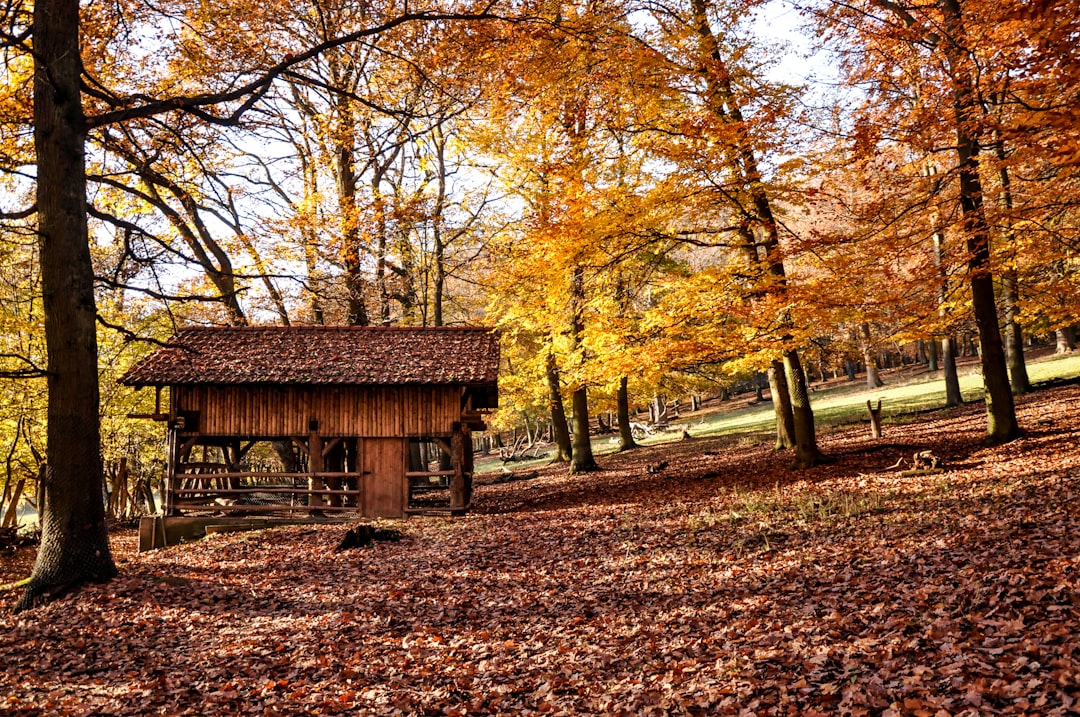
(564, 449)
(74, 538)
(781, 401)
(806, 450)
(1001, 423)
(1010, 286)
(622, 413)
(582, 461)
(873, 380)
(1065, 340)
(953, 397)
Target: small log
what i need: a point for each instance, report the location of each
(875, 418)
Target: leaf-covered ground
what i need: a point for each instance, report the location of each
(723, 584)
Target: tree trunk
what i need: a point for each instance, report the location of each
(563, 447)
(622, 412)
(582, 460)
(806, 450)
(953, 396)
(355, 283)
(1066, 340)
(74, 537)
(781, 400)
(1010, 286)
(873, 380)
(1001, 423)
(932, 356)
(1014, 337)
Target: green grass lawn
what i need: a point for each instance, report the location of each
(835, 405)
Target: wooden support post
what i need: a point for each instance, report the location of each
(469, 466)
(172, 457)
(875, 418)
(458, 488)
(315, 465)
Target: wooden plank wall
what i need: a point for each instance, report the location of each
(350, 411)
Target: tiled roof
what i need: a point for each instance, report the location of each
(322, 355)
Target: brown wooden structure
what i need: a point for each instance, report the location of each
(373, 421)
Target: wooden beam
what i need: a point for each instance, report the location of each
(329, 446)
(458, 498)
(315, 464)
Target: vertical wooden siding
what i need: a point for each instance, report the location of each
(361, 411)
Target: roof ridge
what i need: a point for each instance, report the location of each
(322, 327)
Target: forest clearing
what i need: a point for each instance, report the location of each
(723, 583)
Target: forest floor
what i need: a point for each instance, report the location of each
(697, 577)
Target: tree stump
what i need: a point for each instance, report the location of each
(875, 418)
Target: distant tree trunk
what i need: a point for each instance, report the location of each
(1014, 337)
(952, 377)
(438, 287)
(74, 544)
(1066, 340)
(849, 369)
(781, 400)
(1010, 285)
(355, 283)
(932, 356)
(626, 433)
(873, 380)
(564, 449)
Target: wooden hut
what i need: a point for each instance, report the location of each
(371, 421)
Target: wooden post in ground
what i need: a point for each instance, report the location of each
(172, 457)
(458, 488)
(875, 418)
(315, 465)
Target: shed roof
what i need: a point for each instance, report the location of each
(322, 355)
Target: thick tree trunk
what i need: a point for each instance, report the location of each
(582, 461)
(74, 537)
(622, 413)
(932, 356)
(564, 449)
(806, 450)
(1001, 423)
(781, 400)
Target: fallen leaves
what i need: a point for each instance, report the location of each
(724, 585)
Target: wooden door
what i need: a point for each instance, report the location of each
(383, 466)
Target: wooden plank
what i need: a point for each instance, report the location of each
(276, 508)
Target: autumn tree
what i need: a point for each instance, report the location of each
(942, 37)
(74, 546)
